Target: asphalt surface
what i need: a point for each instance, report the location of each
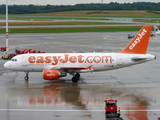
(136, 88)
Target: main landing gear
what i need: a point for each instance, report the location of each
(26, 77)
(75, 78)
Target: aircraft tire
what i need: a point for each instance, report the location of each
(74, 79)
(26, 78)
(77, 75)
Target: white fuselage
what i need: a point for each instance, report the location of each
(75, 61)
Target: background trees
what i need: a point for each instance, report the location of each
(30, 9)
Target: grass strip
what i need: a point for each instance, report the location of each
(72, 29)
(58, 23)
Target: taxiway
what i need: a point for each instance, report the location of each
(136, 88)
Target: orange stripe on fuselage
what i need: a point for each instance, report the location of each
(88, 68)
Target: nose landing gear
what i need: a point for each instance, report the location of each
(26, 77)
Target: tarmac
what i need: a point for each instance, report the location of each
(136, 88)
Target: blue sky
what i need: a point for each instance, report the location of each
(68, 2)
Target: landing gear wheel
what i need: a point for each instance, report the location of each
(26, 78)
(77, 75)
(75, 78)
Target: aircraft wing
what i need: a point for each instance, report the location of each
(69, 67)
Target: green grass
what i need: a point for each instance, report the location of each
(60, 23)
(82, 15)
(69, 30)
(77, 15)
(49, 18)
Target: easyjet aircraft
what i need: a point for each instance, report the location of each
(55, 65)
(157, 31)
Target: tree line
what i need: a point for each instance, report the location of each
(30, 9)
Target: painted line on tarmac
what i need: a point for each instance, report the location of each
(38, 110)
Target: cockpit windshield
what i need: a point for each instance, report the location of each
(14, 60)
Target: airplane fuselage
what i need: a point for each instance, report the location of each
(98, 61)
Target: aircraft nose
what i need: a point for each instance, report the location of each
(7, 65)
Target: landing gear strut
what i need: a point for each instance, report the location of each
(75, 78)
(26, 77)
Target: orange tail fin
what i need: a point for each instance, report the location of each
(139, 43)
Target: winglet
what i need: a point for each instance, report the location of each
(139, 43)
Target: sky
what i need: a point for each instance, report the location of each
(68, 2)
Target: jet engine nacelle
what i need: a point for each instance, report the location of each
(53, 74)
